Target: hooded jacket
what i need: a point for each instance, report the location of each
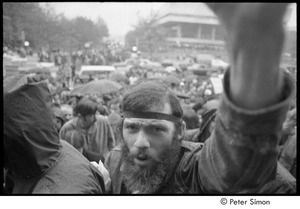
(37, 161)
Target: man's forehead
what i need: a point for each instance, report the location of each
(147, 121)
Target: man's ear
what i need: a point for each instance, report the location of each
(183, 129)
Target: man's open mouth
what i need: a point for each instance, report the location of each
(141, 156)
(142, 159)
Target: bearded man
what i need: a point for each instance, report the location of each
(154, 139)
(241, 154)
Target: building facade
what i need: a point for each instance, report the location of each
(191, 25)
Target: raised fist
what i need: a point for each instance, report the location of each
(250, 20)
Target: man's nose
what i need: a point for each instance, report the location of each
(142, 140)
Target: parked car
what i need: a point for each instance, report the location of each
(142, 63)
(96, 70)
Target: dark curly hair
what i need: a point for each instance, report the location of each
(85, 107)
(144, 96)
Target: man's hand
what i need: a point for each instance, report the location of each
(255, 36)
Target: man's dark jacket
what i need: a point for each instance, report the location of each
(240, 157)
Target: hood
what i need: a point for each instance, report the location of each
(31, 142)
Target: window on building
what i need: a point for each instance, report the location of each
(219, 34)
(206, 32)
(173, 32)
(189, 30)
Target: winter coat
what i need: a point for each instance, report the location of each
(99, 138)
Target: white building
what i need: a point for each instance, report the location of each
(194, 24)
(191, 24)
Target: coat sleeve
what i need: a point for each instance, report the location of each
(241, 154)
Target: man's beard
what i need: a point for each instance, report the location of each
(149, 180)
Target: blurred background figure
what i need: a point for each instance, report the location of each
(190, 118)
(67, 111)
(60, 117)
(95, 128)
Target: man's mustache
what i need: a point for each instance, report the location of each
(143, 154)
(139, 153)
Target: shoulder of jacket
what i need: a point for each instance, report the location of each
(189, 154)
(190, 146)
(191, 135)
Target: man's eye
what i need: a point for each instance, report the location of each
(131, 127)
(156, 129)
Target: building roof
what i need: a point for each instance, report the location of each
(194, 12)
(194, 9)
(198, 13)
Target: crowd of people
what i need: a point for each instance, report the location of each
(155, 136)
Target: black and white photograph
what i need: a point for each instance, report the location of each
(150, 99)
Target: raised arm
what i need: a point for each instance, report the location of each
(255, 35)
(241, 154)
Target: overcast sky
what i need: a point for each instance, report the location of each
(119, 16)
